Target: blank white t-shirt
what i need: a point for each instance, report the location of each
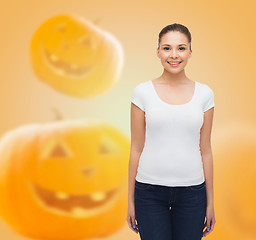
(171, 155)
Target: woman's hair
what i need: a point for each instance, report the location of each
(175, 27)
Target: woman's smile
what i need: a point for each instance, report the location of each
(174, 64)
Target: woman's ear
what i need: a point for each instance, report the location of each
(190, 54)
(157, 52)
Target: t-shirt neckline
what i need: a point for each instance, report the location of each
(174, 105)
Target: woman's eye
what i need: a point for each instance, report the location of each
(166, 48)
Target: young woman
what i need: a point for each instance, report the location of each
(171, 165)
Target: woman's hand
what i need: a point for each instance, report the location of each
(131, 218)
(210, 220)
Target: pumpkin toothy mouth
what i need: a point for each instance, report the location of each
(64, 68)
(77, 205)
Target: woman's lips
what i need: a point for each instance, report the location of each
(174, 65)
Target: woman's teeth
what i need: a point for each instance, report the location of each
(174, 63)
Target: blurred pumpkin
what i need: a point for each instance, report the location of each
(64, 180)
(235, 182)
(75, 57)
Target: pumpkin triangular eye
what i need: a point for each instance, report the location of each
(61, 27)
(87, 41)
(84, 40)
(108, 146)
(56, 149)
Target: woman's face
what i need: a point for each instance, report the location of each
(174, 47)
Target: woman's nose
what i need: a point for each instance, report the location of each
(173, 54)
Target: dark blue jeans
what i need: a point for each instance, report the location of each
(170, 213)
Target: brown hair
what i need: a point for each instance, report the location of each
(175, 27)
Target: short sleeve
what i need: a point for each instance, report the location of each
(209, 103)
(137, 97)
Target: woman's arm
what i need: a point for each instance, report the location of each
(137, 144)
(206, 152)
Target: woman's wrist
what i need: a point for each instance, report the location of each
(210, 204)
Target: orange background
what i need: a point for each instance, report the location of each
(223, 57)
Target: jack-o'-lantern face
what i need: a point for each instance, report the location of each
(58, 59)
(75, 57)
(65, 175)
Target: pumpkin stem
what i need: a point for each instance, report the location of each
(57, 113)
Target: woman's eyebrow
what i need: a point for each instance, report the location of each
(170, 45)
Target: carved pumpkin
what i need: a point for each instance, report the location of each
(235, 183)
(74, 56)
(64, 180)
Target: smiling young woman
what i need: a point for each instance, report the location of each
(171, 166)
